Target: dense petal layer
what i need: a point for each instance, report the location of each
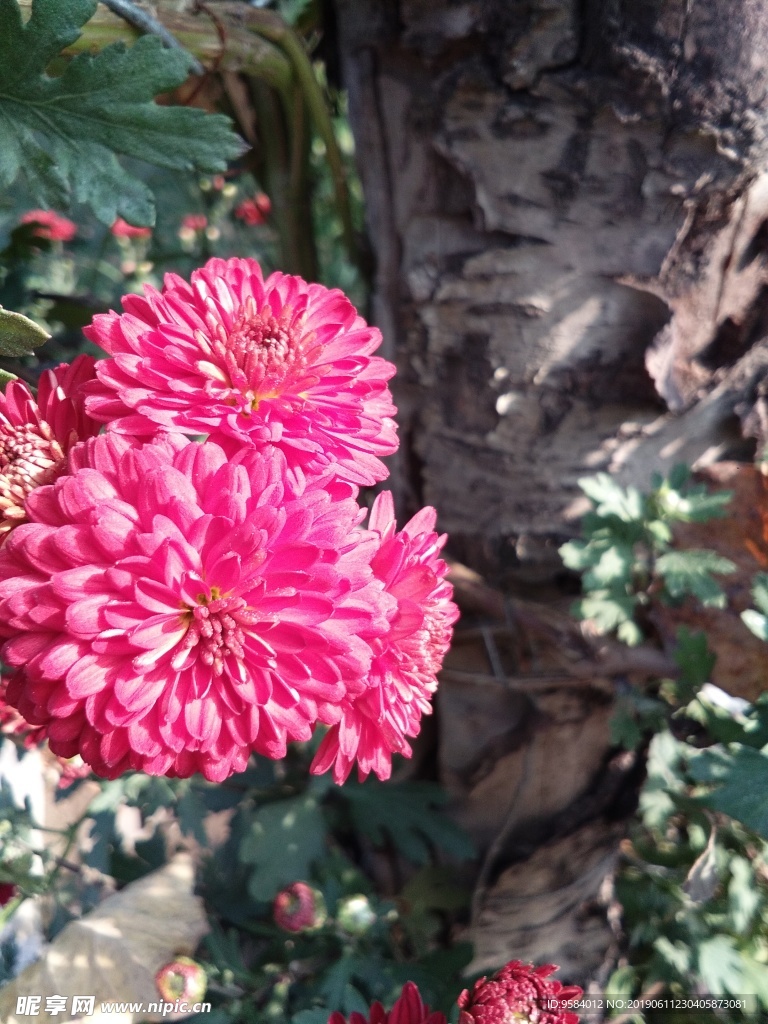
(519, 992)
(261, 362)
(172, 609)
(409, 1009)
(37, 434)
(377, 722)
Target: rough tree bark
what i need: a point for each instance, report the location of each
(570, 227)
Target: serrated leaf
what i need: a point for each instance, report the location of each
(284, 839)
(690, 572)
(607, 611)
(612, 568)
(63, 133)
(741, 776)
(19, 335)
(410, 814)
(612, 499)
(676, 954)
(720, 963)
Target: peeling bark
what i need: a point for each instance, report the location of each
(567, 209)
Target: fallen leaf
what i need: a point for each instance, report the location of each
(114, 952)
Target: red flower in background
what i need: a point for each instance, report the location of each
(36, 434)
(122, 229)
(254, 211)
(409, 1009)
(50, 225)
(194, 222)
(518, 994)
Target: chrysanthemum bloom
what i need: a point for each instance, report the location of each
(409, 1009)
(122, 229)
(37, 433)
(519, 994)
(174, 609)
(403, 675)
(277, 362)
(50, 225)
(298, 908)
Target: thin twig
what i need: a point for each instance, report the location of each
(496, 847)
(144, 22)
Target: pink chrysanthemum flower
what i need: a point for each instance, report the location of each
(37, 433)
(403, 675)
(519, 994)
(409, 1009)
(50, 225)
(277, 362)
(174, 609)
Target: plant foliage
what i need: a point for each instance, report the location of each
(62, 133)
(626, 554)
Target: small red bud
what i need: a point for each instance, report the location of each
(298, 908)
(182, 978)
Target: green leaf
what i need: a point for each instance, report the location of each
(63, 133)
(720, 965)
(284, 839)
(6, 378)
(744, 896)
(756, 623)
(610, 498)
(18, 334)
(410, 814)
(741, 776)
(690, 572)
(696, 662)
(614, 567)
(677, 954)
(608, 611)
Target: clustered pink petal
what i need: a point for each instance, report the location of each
(403, 676)
(171, 608)
(36, 434)
(275, 362)
(409, 1009)
(519, 994)
(12, 724)
(50, 225)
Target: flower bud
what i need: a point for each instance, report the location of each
(182, 978)
(355, 914)
(299, 908)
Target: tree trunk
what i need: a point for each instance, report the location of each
(570, 227)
